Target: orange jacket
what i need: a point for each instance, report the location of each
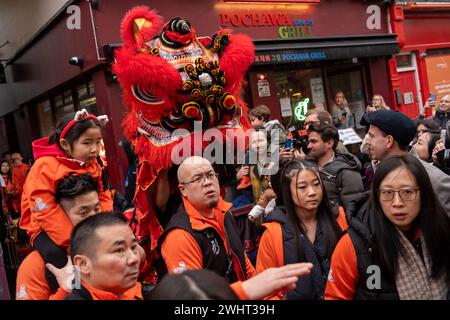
(31, 283)
(39, 208)
(11, 194)
(343, 276)
(271, 253)
(19, 174)
(179, 248)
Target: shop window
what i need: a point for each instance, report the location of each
(300, 90)
(82, 91)
(63, 104)
(44, 112)
(404, 61)
(86, 96)
(351, 83)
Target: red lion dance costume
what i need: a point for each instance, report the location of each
(171, 78)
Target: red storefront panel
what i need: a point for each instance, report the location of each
(426, 30)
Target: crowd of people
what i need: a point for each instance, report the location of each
(329, 223)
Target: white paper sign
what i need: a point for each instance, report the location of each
(408, 98)
(286, 109)
(263, 88)
(349, 136)
(318, 95)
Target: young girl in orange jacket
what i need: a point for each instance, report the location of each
(303, 230)
(72, 149)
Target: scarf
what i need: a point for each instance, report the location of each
(413, 278)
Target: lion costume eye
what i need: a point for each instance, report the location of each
(146, 96)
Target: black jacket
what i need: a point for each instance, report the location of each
(215, 256)
(298, 248)
(441, 118)
(342, 180)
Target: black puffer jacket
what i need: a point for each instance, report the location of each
(441, 118)
(342, 180)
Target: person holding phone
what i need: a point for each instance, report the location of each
(442, 113)
(377, 103)
(342, 115)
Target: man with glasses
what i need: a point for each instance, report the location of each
(390, 133)
(203, 234)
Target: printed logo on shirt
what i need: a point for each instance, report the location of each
(330, 276)
(181, 267)
(40, 205)
(215, 247)
(22, 293)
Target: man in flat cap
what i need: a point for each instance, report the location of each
(390, 134)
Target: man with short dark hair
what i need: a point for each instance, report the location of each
(390, 134)
(78, 196)
(315, 116)
(339, 172)
(107, 256)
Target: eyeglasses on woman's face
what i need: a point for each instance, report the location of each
(409, 194)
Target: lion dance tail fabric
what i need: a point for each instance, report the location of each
(175, 83)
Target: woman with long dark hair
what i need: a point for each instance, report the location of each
(303, 230)
(403, 250)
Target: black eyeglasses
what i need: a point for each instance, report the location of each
(199, 178)
(405, 194)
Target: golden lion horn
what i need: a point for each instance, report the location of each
(138, 25)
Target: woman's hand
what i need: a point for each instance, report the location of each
(370, 108)
(438, 147)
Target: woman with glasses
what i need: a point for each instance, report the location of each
(402, 249)
(377, 104)
(303, 230)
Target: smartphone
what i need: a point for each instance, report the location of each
(288, 143)
(443, 134)
(432, 99)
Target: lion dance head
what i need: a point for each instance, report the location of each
(173, 83)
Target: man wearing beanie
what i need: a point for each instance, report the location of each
(390, 134)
